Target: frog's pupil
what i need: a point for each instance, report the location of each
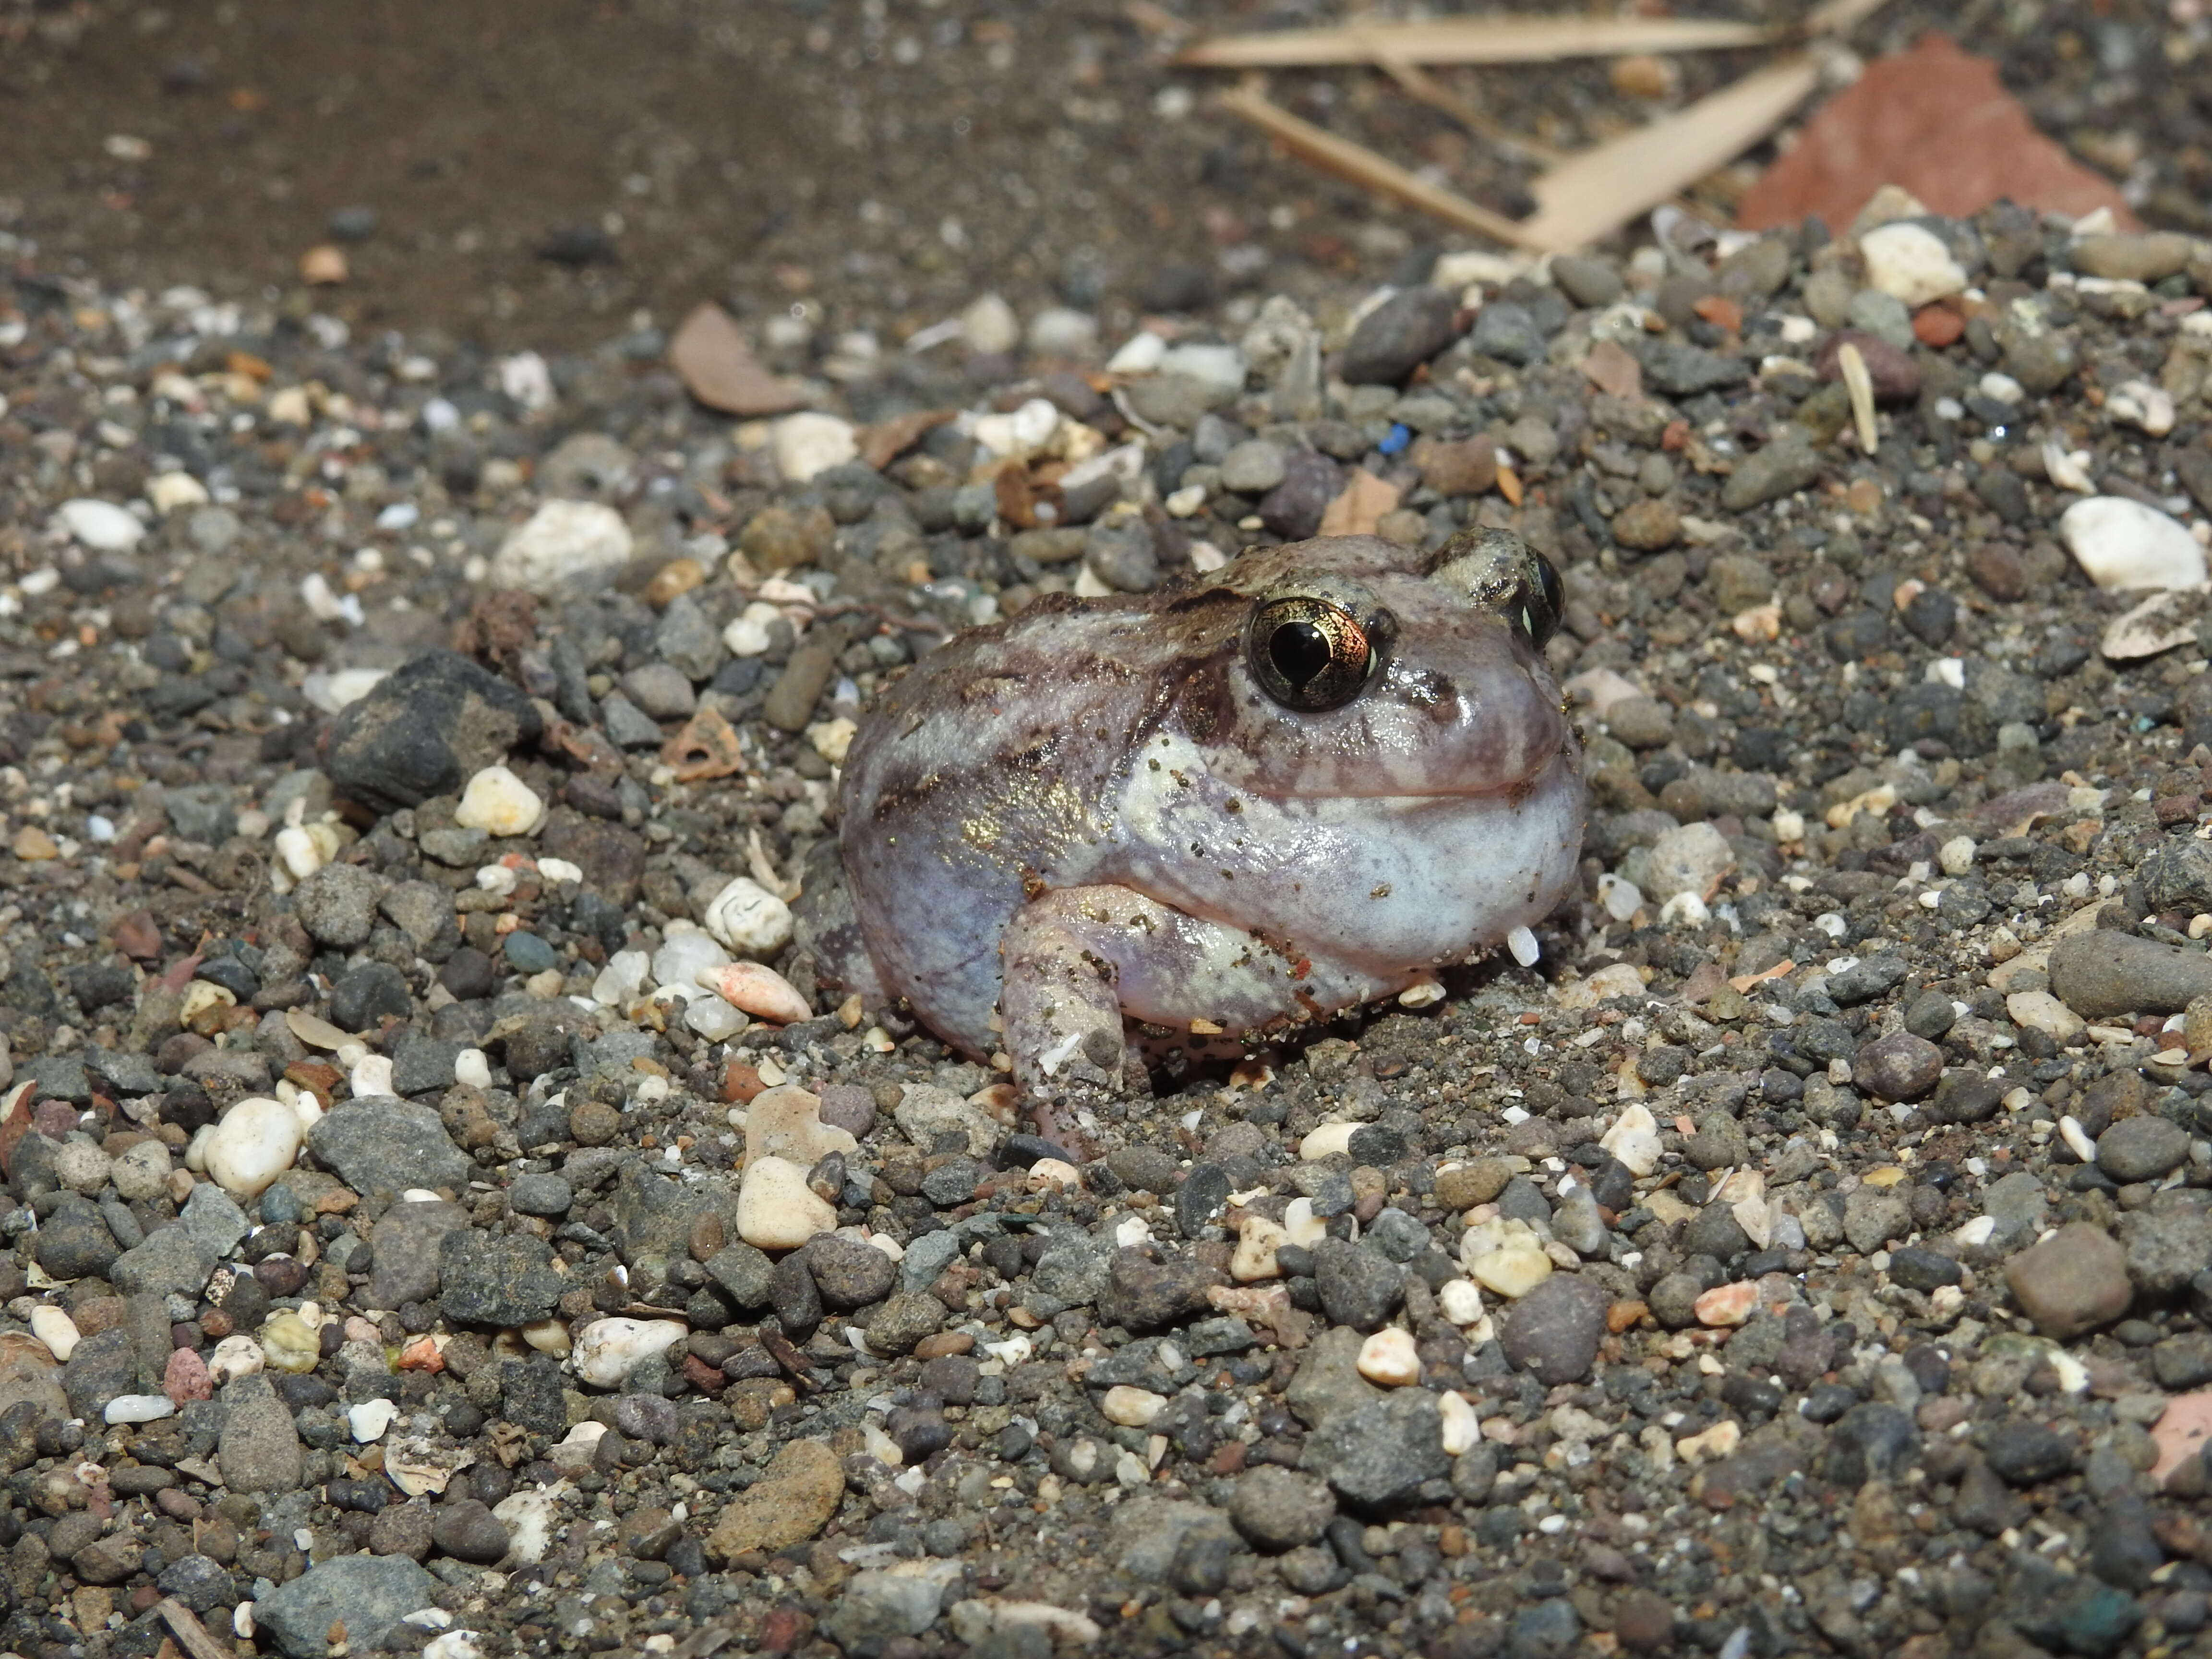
(1300, 651)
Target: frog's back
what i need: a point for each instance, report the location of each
(989, 768)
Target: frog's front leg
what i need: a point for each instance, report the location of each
(1078, 963)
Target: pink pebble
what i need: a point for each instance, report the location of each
(761, 992)
(1728, 1304)
(185, 1377)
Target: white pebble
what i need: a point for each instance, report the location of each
(235, 1357)
(2042, 1011)
(527, 1515)
(810, 442)
(1389, 1358)
(371, 1076)
(560, 870)
(2148, 407)
(622, 982)
(1911, 263)
(833, 739)
(1133, 1408)
(776, 1209)
(139, 1408)
(255, 1143)
(1621, 899)
(714, 1019)
(747, 635)
(56, 1329)
(1058, 331)
(2121, 543)
(368, 1420)
(472, 1068)
(609, 1349)
(1256, 1244)
(171, 490)
(1956, 856)
(82, 1167)
(565, 547)
(1326, 1141)
(1460, 1300)
(1455, 1416)
(786, 1122)
(100, 525)
(1046, 1174)
(2077, 1139)
(989, 326)
(748, 919)
(1523, 942)
(683, 957)
(1788, 826)
(1634, 1141)
(1306, 1228)
(500, 804)
(1422, 994)
(1140, 354)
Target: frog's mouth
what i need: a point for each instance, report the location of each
(1384, 783)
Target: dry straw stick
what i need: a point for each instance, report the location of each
(1579, 198)
(1362, 166)
(1595, 191)
(1473, 40)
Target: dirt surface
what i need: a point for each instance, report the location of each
(536, 175)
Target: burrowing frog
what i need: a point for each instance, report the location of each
(1311, 781)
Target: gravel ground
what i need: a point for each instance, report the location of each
(1810, 1254)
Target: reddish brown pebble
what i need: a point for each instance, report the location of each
(1451, 1539)
(784, 1629)
(177, 1504)
(138, 937)
(1721, 312)
(1230, 1458)
(943, 1345)
(186, 1377)
(1622, 1315)
(708, 1237)
(316, 1076)
(216, 1324)
(740, 1082)
(1937, 326)
(701, 1375)
(1466, 467)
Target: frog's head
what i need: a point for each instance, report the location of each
(1350, 667)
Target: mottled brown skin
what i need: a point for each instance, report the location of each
(1096, 813)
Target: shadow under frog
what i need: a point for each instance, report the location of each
(1318, 778)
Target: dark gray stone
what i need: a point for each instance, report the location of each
(424, 729)
(367, 1594)
(1378, 1456)
(1554, 1330)
(502, 1279)
(1398, 336)
(381, 1143)
(1358, 1287)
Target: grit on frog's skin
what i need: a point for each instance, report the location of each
(1101, 813)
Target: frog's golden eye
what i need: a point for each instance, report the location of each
(1499, 571)
(1311, 654)
(1543, 602)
